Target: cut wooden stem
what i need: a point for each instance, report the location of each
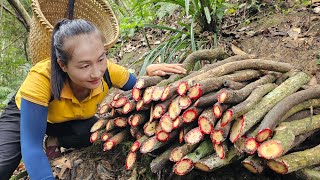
(137, 144)
(218, 109)
(273, 117)
(166, 123)
(182, 88)
(120, 122)
(254, 164)
(221, 150)
(131, 160)
(193, 136)
(185, 165)
(139, 118)
(162, 108)
(233, 84)
(159, 162)
(150, 128)
(137, 94)
(179, 152)
(147, 95)
(129, 107)
(220, 134)
(295, 161)
(157, 93)
(141, 106)
(213, 162)
(100, 124)
(208, 99)
(168, 92)
(206, 121)
(236, 96)
(191, 114)
(184, 102)
(288, 87)
(115, 140)
(146, 81)
(211, 84)
(245, 106)
(174, 108)
(285, 136)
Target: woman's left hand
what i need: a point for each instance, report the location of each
(165, 69)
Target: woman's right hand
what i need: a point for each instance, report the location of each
(165, 69)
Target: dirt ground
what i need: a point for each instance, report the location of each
(287, 37)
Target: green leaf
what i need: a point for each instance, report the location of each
(193, 44)
(207, 13)
(163, 28)
(187, 7)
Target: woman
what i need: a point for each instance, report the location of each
(60, 97)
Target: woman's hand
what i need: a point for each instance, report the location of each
(165, 69)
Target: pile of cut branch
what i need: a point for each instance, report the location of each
(234, 109)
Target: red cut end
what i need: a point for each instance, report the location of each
(217, 136)
(136, 94)
(131, 159)
(222, 97)
(270, 150)
(127, 108)
(135, 146)
(120, 122)
(158, 111)
(205, 126)
(176, 154)
(150, 128)
(94, 136)
(147, 96)
(135, 120)
(103, 109)
(162, 136)
(139, 105)
(251, 145)
(220, 150)
(108, 145)
(139, 83)
(278, 166)
(236, 130)
(174, 109)
(157, 93)
(195, 92)
(193, 136)
(184, 102)
(189, 115)
(227, 117)
(105, 137)
(182, 167)
(165, 93)
(217, 111)
(182, 88)
(264, 135)
(120, 102)
(166, 123)
(177, 122)
(148, 145)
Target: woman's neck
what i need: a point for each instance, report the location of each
(79, 92)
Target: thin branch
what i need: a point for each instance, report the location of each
(14, 41)
(12, 13)
(21, 11)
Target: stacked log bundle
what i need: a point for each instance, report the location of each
(237, 109)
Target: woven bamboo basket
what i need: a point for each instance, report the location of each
(46, 13)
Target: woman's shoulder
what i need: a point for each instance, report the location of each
(42, 68)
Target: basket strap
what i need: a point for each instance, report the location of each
(70, 9)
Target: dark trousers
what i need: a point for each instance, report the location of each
(72, 134)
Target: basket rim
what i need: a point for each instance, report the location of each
(36, 9)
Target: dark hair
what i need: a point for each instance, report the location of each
(65, 29)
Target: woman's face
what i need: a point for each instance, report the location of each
(88, 60)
